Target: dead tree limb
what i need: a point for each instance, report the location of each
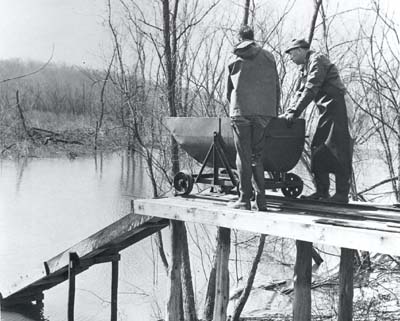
(99, 123)
(250, 280)
(388, 180)
(21, 115)
(30, 73)
(7, 148)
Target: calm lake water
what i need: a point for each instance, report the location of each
(48, 205)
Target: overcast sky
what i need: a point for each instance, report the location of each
(29, 29)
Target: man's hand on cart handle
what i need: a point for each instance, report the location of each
(289, 118)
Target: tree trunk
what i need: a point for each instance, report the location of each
(398, 164)
(245, 294)
(210, 296)
(246, 12)
(189, 307)
(170, 74)
(313, 20)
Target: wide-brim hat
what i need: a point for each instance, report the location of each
(297, 43)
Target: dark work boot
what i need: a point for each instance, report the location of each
(259, 187)
(322, 185)
(342, 189)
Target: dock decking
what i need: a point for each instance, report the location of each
(363, 227)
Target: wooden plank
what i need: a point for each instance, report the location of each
(282, 222)
(174, 303)
(99, 260)
(222, 274)
(366, 225)
(114, 289)
(302, 282)
(115, 237)
(361, 210)
(73, 262)
(346, 273)
(110, 236)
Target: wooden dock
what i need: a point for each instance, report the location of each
(354, 226)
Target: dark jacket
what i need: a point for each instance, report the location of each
(253, 84)
(320, 82)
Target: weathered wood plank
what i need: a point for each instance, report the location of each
(110, 236)
(302, 282)
(73, 262)
(94, 249)
(222, 274)
(174, 303)
(346, 275)
(114, 289)
(283, 222)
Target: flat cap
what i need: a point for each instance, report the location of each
(297, 43)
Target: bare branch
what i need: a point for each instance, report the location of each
(33, 72)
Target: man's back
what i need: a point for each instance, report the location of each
(253, 81)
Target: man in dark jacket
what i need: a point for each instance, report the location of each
(253, 93)
(331, 147)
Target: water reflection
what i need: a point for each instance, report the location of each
(21, 164)
(134, 181)
(98, 163)
(48, 205)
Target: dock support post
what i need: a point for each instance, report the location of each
(174, 304)
(222, 274)
(346, 274)
(114, 288)
(302, 282)
(73, 262)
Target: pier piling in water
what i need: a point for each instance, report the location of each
(73, 263)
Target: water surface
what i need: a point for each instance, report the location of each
(48, 205)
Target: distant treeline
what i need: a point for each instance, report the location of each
(55, 88)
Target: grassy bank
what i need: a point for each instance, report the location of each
(46, 134)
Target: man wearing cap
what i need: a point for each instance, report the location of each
(253, 92)
(331, 146)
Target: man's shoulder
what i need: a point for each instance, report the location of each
(266, 53)
(318, 58)
(232, 59)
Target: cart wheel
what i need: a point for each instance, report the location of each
(294, 185)
(183, 183)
